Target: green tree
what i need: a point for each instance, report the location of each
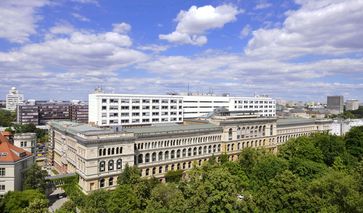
(336, 192)
(174, 176)
(68, 207)
(166, 198)
(354, 142)
(123, 199)
(248, 159)
(6, 117)
(284, 193)
(15, 202)
(35, 178)
(331, 147)
(97, 202)
(130, 175)
(37, 206)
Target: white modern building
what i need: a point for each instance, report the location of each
(351, 105)
(137, 109)
(130, 110)
(201, 105)
(13, 99)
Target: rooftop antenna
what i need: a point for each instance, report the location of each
(188, 89)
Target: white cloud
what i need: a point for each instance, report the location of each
(262, 5)
(153, 48)
(194, 23)
(245, 31)
(18, 19)
(122, 28)
(317, 27)
(80, 17)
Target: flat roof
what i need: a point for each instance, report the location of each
(294, 121)
(75, 128)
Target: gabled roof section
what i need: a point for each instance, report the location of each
(11, 153)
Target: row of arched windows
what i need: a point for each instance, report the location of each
(179, 153)
(284, 138)
(110, 164)
(171, 167)
(258, 131)
(241, 145)
(177, 142)
(110, 182)
(110, 151)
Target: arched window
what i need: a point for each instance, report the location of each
(195, 151)
(113, 151)
(172, 154)
(160, 157)
(219, 147)
(205, 149)
(109, 151)
(189, 164)
(102, 166)
(117, 150)
(147, 158)
(154, 170)
(230, 134)
(110, 181)
(119, 164)
(104, 152)
(184, 152)
(153, 157)
(209, 148)
(200, 150)
(166, 155)
(178, 153)
(140, 158)
(214, 148)
(271, 130)
(102, 183)
(110, 165)
(228, 147)
(160, 169)
(190, 152)
(100, 152)
(184, 165)
(147, 172)
(120, 150)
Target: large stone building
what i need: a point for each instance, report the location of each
(13, 99)
(13, 163)
(99, 155)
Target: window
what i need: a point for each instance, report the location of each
(119, 164)
(102, 183)
(2, 171)
(110, 181)
(110, 165)
(2, 187)
(102, 166)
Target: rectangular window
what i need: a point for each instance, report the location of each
(2, 187)
(2, 171)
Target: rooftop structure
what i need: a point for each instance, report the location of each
(13, 99)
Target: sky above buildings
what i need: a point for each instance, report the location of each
(298, 50)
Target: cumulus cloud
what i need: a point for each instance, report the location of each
(246, 30)
(194, 23)
(317, 27)
(122, 28)
(18, 19)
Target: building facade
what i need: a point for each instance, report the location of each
(335, 104)
(13, 99)
(134, 110)
(39, 113)
(351, 105)
(341, 127)
(98, 155)
(14, 161)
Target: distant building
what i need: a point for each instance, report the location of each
(14, 161)
(13, 98)
(351, 105)
(335, 104)
(2, 103)
(39, 113)
(341, 127)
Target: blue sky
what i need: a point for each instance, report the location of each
(295, 50)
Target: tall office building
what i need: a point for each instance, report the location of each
(335, 104)
(13, 99)
(351, 105)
